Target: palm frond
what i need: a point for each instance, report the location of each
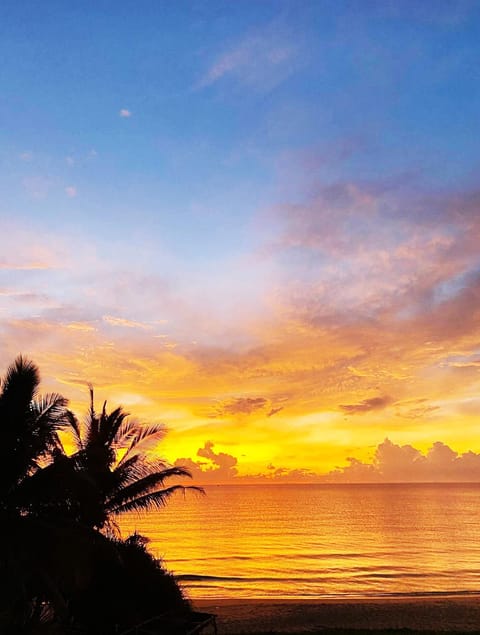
(55, 447)
(110, 424)
(92, 402)
(50, 409)
(21, 381)
(74, 427)
(146, 437)
(133, 468)
(145, 485)
(154, 500)
(91, 420)
(125, 433)
(91, 426)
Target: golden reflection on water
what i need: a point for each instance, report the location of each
(319, 540)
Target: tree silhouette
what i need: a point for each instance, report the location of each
(29, 428)
(113, 456)
(54, 506)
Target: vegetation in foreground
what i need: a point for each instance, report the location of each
(62, 567)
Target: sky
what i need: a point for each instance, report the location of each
(257, 222)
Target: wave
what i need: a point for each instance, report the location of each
(211, 559)
(247, 592)
(306, 579)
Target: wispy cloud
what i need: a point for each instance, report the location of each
(80, 326)
(241, 406)
(261, 60)
(367, 405)
(25, 266)
(375, 248)
(123, 322)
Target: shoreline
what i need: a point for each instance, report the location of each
(414, 614)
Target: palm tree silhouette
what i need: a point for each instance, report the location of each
(29, 427)
(113, 455)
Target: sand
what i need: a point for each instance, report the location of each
(452, 614)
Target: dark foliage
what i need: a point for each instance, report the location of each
(127, 590)
(59, 573)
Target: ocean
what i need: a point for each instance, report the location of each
(319, 541)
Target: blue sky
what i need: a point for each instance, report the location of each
(272, 195)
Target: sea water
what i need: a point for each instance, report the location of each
(316, 541)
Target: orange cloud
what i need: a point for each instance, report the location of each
(219, 468)
(374, 403)
(119, 321)
(393, 463)
(25, 266)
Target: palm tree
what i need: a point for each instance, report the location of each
(29, 428)
(112, 454)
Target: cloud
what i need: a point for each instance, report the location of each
(220, 466)
(365, 249)
(29, 299)
(367, 405)
(123, 322)
(392, 463)
(258, 407)
(124, 113)
(417, 410)
(26, 251)
(261, 60)
(26, 266)
(395, 463)
(274, 411)
(242, 405)
(80, 326)
(71, 191)
(220, 459)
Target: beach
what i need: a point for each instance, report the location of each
(451, 614)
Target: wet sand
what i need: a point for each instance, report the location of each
(454, 614)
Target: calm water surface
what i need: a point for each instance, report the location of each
(282, 541)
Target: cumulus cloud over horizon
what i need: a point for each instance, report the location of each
(391, 463)
(218, 467)
(394, 463)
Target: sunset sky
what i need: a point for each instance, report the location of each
(257, 222)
